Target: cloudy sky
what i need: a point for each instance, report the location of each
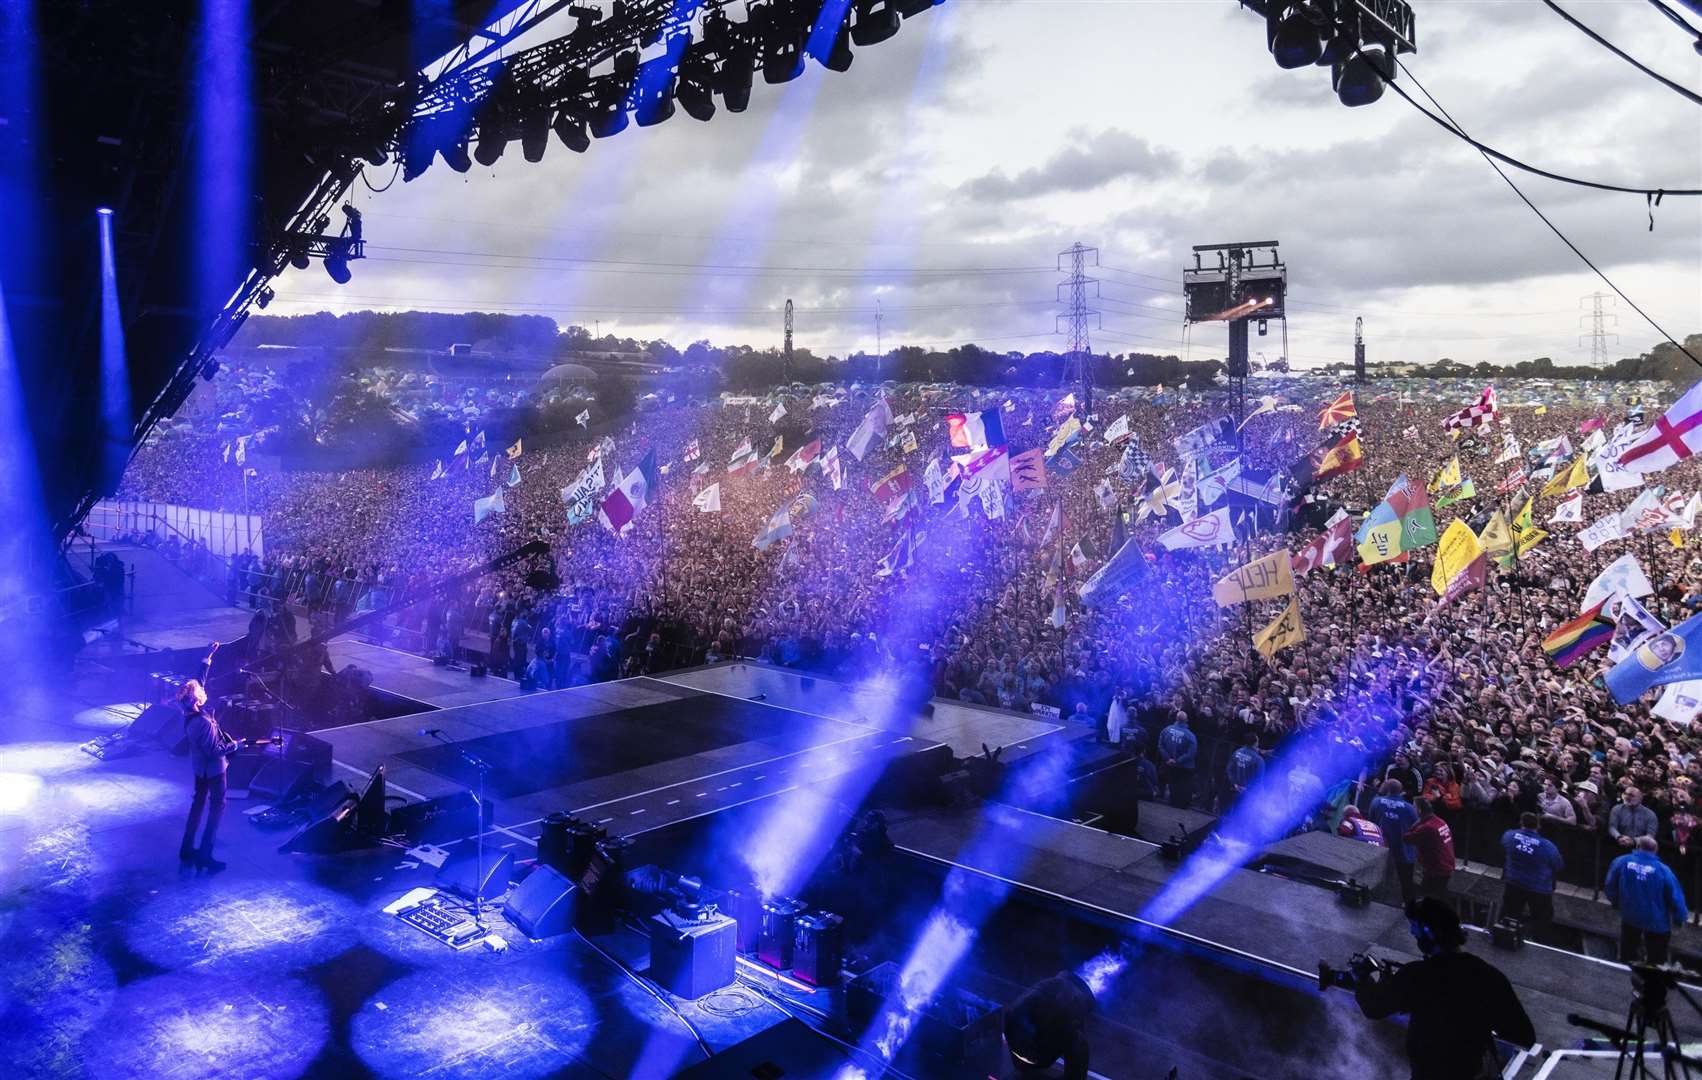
(942, 175)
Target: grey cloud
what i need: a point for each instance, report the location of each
(1092, 162)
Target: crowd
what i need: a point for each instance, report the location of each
(1457, 706)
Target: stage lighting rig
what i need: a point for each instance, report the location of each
(783, 28)
(1356, 39)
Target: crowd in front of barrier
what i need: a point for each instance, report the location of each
(1459, 703)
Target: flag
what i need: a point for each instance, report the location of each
(1135, 460)
(1285, 631)
(227, 455)
(1509, 449)
(892, 485)
(1083, 554)
(490, 504)
(1068, 433)
(692, 452)
(1634, 626)
(1448, 476)
(1215, 484)
(1513, 481)
(479, 441)
(1261, 579)
(1687, 516)
(992, 501)
(1572, 641)
(1645, 512)
(584, 418)
(803, 455)
(1476, 415)
(513, 475)
(1060, 615)
(1338, 410)
(1610, 474)
(1267, 404)
(976, 430)
(1332, 547)
(1211, 530)
(743, 458)
(833, 468)
(1066, 406)
(1596, 441)
(1679, 703)
(495, 461)
(1461, 563)
(872, 427)
(1466, 490)
(1125, 569)
(1674, 656)
(900, 558)
(1496, 537)
(1540, 410)
(1570, 509)
(934, 480)
(779, 412)
(1207, 435)
(1401, 523)
(1343, 457)
(910, 445)
(1107, 496)
(515, 450)
(1054, 524)
(585, 487)
(1118, 431)
(1623, 575)
(438, 472)
(1522, 521)
(1161, 497)
(1673, 438)
(778, 527)
(1529, 539)
(1599, 532)
(779, 445)
(1065, 461)
(1028, 471)
(708, 500)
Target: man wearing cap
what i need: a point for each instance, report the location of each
(1649, 900)
(1528, 870)
(1457, 1002)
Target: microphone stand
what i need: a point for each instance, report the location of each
(478, 823)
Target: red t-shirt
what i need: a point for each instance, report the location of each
(1435, 845)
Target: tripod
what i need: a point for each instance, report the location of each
(1649, 1009)
(483, 768)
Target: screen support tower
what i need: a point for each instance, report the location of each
(786, 351)
(1599, 319)
(1359, 349)
(1248, 285)
(1079, 354)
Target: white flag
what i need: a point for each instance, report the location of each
(1570, 508)
(490, 504)
(1687, 516)
(779, 411)
(583, 418)
(1597, 533)
(1623, 575)
(1509, 449)
(1119, 429)
(1680, 702)
(709, 499)
(1212, 530)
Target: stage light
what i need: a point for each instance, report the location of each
(1295, 42)
(571, 131)
(298, 258)
(535, 136)
(1046, 1023)
(839, 55)
(783, 35)
(1360, 79)
(492, 142)
(416, 153)
(655, 85)
(104, 211)
(695, 90)
(454, 154)
(877, 20)
(264, 297)
(337, 265)
(909, 8)
(209, 369)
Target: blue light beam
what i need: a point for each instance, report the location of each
(115, 418)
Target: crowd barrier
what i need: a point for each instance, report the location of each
(224, 533)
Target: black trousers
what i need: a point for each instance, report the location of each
(1633, 941)
(1515, 902)
(1403, 876)
(1181, 784)
(209, 793)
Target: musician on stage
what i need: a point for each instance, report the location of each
(209, 746)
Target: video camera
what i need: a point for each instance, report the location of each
(1360, 968)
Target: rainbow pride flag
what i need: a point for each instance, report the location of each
(1570, 641)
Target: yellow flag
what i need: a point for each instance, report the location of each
(1381, 543)
(779, 444)
(1677, 538)
(1539, 410)
(1285, 631)
(1067, 430)
(1449, 475)
(1529, 539)
(1261, 579)
(1522, 520)
(514, 451)
(1579, 476)
(1496, 537)
(1556, 483)
(1455, 552)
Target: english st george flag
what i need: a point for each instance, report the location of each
(1677, 434)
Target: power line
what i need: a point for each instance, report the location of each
(697, 266)
(1533, 206)
(1682, 91)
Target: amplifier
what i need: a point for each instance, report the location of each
(439, 821)
(775, 943)
(691, 957)
(818, 950)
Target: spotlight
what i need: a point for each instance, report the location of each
(416, 153)
(571, 131)
(337, 265)
(1047, 1023)
(783, 35)
(535, 136)
(656, 84)
(298, 258)
(455, 156)
(695, 90)
(1359, 80)
(104, 211)
(1294, 41)
(876, 21)
(264, 297)
(839, 55)
(610, 95)
(492, 142)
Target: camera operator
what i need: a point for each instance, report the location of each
(1456, 1001)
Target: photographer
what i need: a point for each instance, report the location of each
(1456, 1002)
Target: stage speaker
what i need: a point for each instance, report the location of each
(460, 873)
(439, 821)
(914, 779)
(158, 724)
(333, 832)
(241, 766)
(818, 951)
(314, 752)
(691, 957)
(542, 905)
(277, 779)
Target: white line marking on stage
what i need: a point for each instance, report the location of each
(711, 810)
(605, 821)
(673, 802)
